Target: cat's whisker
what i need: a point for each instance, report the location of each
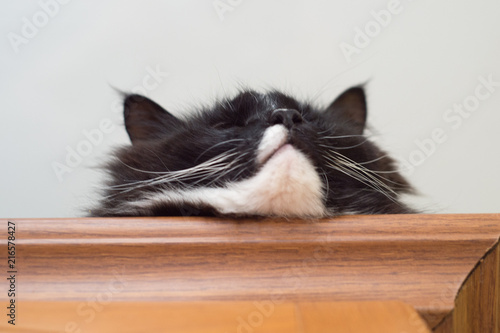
(374, 176)
(353, 194)
(205, 165)
(211, 166)
(360, 173)
(159, 158)
(378, 159)
(328, 130)
(397, 170)
(207, 172)
(327, 185)
(374, 160)
(343, 136)
(226, 169)
(378, 174)
(216, 145)
(160, 179)
(230, 169)
(343, 147)
(363, 180)
(374, 172)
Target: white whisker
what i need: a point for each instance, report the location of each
(207, 169)
(343, 136)
(349, 167)
(343, 147)
(218, 144)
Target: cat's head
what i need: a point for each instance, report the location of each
(255, 154)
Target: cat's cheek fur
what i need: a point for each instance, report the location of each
(287, 185)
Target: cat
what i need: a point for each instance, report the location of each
(257, 154)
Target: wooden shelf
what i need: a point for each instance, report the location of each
(218, 317)
(419, 260)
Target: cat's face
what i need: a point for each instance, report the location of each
(257, 154)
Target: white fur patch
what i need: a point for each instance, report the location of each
(274, 137)
(286, 185)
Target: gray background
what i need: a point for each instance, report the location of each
(56, 83)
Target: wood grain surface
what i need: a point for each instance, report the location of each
(217, 317)
(420, 260)
(477, 305)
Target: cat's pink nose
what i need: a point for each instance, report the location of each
(286, 117)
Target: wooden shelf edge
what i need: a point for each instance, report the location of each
(477, 304)
(420, 260)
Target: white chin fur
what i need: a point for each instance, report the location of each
(286, 185)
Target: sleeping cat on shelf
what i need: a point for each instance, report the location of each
(253, 155)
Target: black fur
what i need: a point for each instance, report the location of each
(162, 142)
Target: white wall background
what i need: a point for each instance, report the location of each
(56, 78)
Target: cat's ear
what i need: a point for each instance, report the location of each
(146, 120)
(350, 106)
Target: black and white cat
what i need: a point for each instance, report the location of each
(256, 154)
